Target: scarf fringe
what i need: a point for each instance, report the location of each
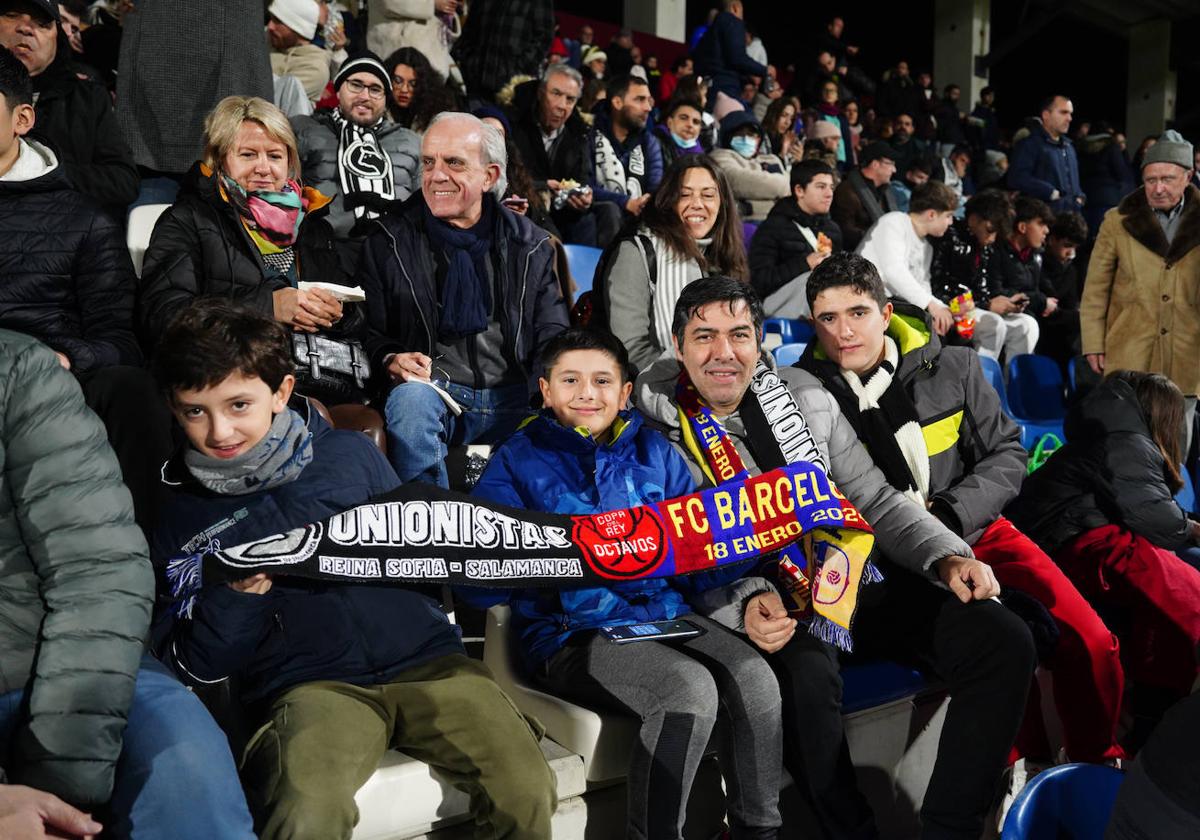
(831, 633)
(184, 575)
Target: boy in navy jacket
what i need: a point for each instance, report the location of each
(347, 671)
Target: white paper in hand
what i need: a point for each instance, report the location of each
(346, 294)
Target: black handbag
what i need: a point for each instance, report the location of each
(332, 370)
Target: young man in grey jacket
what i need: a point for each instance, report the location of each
(956, 630)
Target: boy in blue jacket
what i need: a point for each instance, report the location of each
(346, 671)
(585, 454)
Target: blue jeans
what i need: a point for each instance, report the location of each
(175, 777)
(421, 428)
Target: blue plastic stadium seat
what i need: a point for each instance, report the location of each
(583, 261)
(791, 331)
(1035, 397)
(1072, 801)
(876, 683)
(995, 376)
(787, 355)
(748, 231)
(1186, 497)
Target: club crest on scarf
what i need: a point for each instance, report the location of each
(621, 544)
(364, 159)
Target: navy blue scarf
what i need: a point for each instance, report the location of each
(466, 297)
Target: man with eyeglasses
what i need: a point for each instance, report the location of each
(552, 139)
(1141, 302)
(354, 153)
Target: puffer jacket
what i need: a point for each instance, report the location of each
(398, 272)
(317, 138)
(976, 461)
(547, 467)
(76, 116)
(759, 181)
(779, 251)
(1110, 473)
(200, 248)
(75, 586)
(65, 274)
(905, 533)
(299, 631)
(1041, 166)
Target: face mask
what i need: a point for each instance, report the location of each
(680, 142)
(745, 145)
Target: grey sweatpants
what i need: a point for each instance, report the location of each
(678, 689)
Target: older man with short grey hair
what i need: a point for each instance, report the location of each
(460, 294)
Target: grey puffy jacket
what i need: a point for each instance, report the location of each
(75, 580)
(317, 138)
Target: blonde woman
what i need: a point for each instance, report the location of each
(243, 228)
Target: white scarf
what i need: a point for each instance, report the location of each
(610, 172)
(908, 436)
(363, 166)
(673, 272)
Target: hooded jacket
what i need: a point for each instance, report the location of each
(1111, 472)
(65, 274)
(779, 251)
(904, 533)
(547, 467)
(76, 115)
(976, 461)
(1141, 301)
(299, 631)
(75, 586)
(761, 180)
(317, 138)
(399, 274)
(200, 248)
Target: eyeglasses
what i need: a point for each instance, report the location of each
(373, 91)
(403, 84)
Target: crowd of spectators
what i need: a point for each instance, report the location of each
(366, 208)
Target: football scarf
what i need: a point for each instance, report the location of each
(419, 533)
(822, 573)
(364, 168)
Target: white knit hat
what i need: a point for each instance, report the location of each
(300, 16)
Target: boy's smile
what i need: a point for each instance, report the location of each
(586, 388)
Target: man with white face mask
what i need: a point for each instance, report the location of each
(758, 179)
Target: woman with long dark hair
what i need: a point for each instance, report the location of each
(690, 229)
(1103, 507)
(779, 130)
(419, 93)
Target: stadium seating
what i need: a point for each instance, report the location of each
(787, 355)
(789, 330)
(583, 261)
(1186, 497)
(1036, 397)
(991, 370)
(141, 225)
(1072, 801)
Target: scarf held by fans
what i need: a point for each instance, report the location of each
(364, 168)
(421, 533)
(823, 574)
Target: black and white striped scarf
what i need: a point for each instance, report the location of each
(364, 168)
(890, 426)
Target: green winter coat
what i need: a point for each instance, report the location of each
(76, 585)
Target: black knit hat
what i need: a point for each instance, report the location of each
(47, 7)
(364, 62)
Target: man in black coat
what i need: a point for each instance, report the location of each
(74, 112)
(461, 294)
(721, 53)
(552, 139)
(795, 238)
(66, 279)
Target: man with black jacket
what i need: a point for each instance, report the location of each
(553, 141)
(863, 195)
(66, 279)
(74, 112)
(461, 294)
(721, 53)
(796, 236)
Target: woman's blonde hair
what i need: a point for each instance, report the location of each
(223, 123)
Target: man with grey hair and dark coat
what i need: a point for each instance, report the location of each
(461, 294)
(354, 153)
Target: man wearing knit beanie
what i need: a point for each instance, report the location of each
(1141, 302)
(291, 29)
(354, 153)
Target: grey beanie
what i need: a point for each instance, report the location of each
(1170, 148)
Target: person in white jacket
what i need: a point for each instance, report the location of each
(430, 26)
(897, 245)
